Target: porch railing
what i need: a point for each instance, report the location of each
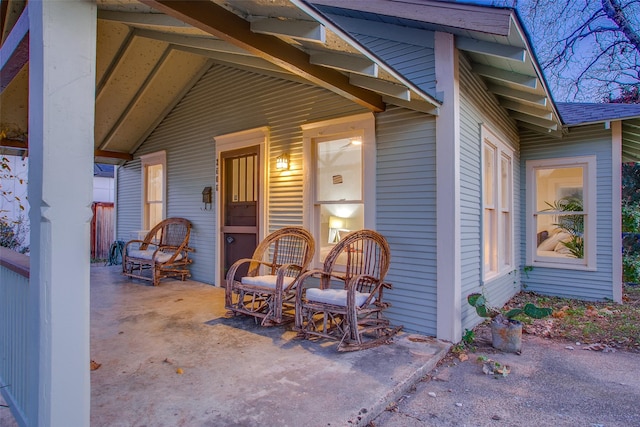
(14, 290)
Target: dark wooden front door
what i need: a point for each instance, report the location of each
(240, 211)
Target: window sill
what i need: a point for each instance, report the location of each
(561, 266)
(494, 276)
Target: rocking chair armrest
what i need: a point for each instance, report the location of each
(281, 271)
(353, 283)
(319, 273)
(126, 245)
(234, 267)
(162, 249)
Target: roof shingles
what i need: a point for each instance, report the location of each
(573, 113)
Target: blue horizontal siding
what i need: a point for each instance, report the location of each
(587, 285)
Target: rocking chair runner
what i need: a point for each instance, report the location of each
(267, 291)
(348, 303)
(164, 250)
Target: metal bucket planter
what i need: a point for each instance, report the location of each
(506, 334)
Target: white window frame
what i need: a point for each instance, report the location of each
(362, 124)
(504, 241)
(589, 189)
(146, 160)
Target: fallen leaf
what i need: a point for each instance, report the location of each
(595, 347)
(503, 370)
(179, 371)
(463, 357)
(591, 312)
(94, 365)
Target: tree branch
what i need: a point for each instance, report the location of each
(614, 11)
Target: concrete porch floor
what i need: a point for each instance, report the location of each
(235, 373)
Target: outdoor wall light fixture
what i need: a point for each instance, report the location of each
(282, 162)
(207, 198)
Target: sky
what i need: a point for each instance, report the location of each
(557, 19)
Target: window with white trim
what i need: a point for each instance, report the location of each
(497, 202)
(341, 162)
(561, 212)
(154, 168)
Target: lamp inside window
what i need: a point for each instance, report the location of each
(336, 225)
(282, 162)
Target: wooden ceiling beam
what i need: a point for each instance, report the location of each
(14, 51)
(13, 143)
(226, 25)
(24, 145)
(512, 53)
(529, 82)
(112, 155)
(300, 30)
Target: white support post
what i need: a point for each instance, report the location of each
(62, 49)
(616, 204)
(449, 322)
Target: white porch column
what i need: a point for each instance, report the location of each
(448, 190)
(62, 45)
(616, 204)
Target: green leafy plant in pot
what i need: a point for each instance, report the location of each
(506, 332)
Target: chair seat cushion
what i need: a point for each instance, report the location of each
(148, 254)
(335, 296)
(267, 281)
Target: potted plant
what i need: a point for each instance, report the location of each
(506, 331)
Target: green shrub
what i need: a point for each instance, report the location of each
(631, 268)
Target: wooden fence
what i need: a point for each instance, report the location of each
(102, 231)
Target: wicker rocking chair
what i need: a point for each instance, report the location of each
(348, 305)
(267, 291)
(164, 251)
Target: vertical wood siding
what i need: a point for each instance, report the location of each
(478, 107)
(406, 214)
(582, 141)
(227, 100)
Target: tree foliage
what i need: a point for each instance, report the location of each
(588, 49)
(628, 95)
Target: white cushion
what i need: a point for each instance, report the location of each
(267, 281)
(561, 248)
(335, 296)
(148, 254)
(551, 243)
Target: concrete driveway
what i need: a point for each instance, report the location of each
(550, 384)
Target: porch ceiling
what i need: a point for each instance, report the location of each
(151, 52)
